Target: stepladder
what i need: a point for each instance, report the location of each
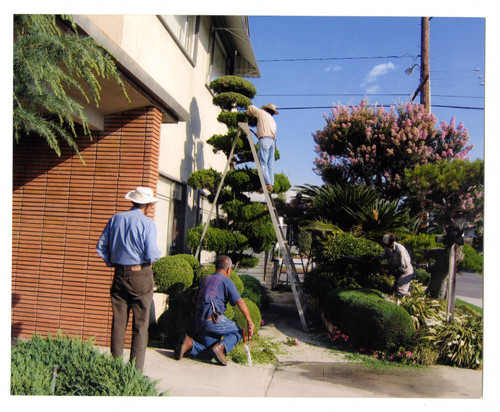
(293, 277)
(298, 294)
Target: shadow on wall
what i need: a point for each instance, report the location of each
(193, 136)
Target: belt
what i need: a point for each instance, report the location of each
(134, 268)
(264, 137)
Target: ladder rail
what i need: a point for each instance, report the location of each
(290, 266)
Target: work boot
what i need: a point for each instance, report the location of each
(218, 350)
(186, 346)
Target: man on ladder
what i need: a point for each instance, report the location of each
(266, 133)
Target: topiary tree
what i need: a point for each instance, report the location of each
(172, 274)
(245, 225)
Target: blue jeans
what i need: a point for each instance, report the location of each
(208, 333)
(267, 147)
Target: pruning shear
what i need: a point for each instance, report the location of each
(247, 348)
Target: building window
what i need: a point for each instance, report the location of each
(221, 63)
(184, 29)
(170, 216)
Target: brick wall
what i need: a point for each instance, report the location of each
(60, 207)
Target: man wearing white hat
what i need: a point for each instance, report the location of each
(128, 243)
(266, 133)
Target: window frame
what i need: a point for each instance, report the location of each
(194, 36)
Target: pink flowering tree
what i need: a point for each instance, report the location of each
(370, 145)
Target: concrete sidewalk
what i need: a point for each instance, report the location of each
(190, 377)
(310, 370)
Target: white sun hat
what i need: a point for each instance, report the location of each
(141, 195)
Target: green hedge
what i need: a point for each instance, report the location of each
(202, 272)
(472, 262)
(341, 260)
(237, 282)
(172, 274)
(234, 313)
(82, 370)
(255, 291)
(191, 260)
(370, 321)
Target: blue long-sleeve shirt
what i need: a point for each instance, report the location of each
(129, 238)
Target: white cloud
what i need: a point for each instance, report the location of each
(333, 68)
(377, 71)
(373, 89)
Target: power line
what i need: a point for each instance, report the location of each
(334, 58)
(357, 94)
(329, 107)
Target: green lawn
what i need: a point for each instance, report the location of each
(459, 302)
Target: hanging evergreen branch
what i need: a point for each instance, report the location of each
(48, 63)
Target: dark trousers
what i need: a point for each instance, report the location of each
(131, 290)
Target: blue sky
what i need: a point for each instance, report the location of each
(457, 60)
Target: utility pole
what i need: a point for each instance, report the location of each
(425, 82)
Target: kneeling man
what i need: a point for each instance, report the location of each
(214, 333)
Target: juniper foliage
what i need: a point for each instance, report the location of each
(52, 63)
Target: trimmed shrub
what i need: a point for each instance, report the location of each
(370, 321)
(191, 260)
(422, 276)
(417, 243)
(202, 272)
(82, 370)
(255, 291)
(178, 319)
(172, 274)
(472, 262)
(216, 240)
(237, 282)
(231, 119)
(248, 261)
(240, 320)
(232, 83)
(230, 100)
(341, 262)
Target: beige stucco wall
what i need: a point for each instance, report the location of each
(183, 147)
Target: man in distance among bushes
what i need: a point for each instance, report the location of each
(400, 262)
(214, 332)
(128, 243)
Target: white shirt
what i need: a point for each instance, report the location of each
(266, 126)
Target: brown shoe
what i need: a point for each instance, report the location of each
(270, 188)
(218, 350)
(185, 347)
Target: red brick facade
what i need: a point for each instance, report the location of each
(60, 207)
